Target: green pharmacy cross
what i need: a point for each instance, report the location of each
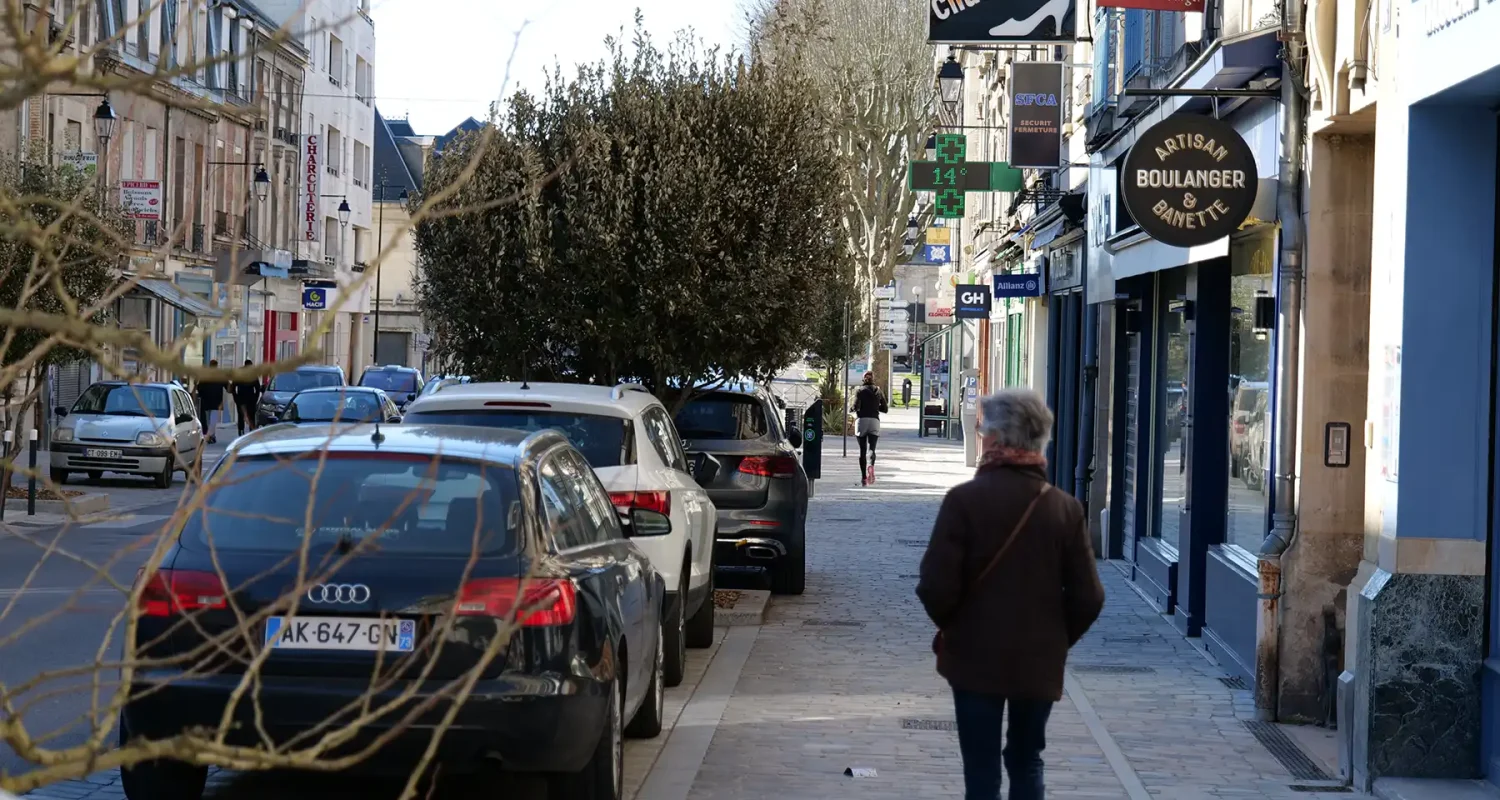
(952, 177)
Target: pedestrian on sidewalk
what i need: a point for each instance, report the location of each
(246, 399)
(869, 404)
(1010, 581)
(906, 392)
(211, 398)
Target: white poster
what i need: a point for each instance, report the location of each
(141, 199)
(312, 186)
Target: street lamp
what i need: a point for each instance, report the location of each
(344, 211)
(262, 184)
(380, 244)
(951, 83)
(910, 243)
(104, 124)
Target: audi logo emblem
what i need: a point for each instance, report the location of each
(339, 593)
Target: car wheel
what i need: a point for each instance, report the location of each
(647, 722)
(162, 780)
(58, 476)
(700, 629)
(789, 574)
(96, 475)
(164, 480)
(674, 636)
(603, 778)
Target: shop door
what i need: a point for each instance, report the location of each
(1131, 462)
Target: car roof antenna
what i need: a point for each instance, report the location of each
(525, 384)
(377, 437)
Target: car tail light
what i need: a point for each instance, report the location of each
(169, 592)
(769, 467)
(660, 502)
(536, 602)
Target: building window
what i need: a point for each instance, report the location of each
(331, 237)
(362, 80)
(1171, 443)
(333, 150)
(335, 60)
(361, 164)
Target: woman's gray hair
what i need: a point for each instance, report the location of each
(1016, 418)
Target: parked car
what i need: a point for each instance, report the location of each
(437, 383)
(1247, 410)
(401, 383)
(628, 437)
(273, 401)
(149, 429)
(581, 668)
(760, 489)
(345, 404)
(1256, 444)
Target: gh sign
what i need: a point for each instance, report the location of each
(973, 301)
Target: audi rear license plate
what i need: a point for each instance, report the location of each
(341, 633)
(94, 453)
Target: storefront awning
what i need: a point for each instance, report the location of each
(169, 293)
(1047, 233)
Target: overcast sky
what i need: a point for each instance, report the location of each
(444, 60)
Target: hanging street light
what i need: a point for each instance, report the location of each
(344, 211)
(104, 124)
(951, 83)
(262, 184)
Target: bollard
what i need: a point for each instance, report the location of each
(31, 479)
(10, 437)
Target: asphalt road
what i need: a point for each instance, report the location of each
(61, 618)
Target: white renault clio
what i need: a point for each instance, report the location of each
(630, 441)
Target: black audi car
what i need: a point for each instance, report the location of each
(437, 558)
(761, 489)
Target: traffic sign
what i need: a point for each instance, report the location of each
(886, 292)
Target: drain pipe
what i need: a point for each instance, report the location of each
(1083, 471)
(1288, 364)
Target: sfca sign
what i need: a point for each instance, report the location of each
(312, 185)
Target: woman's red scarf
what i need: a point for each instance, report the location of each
(995, 455)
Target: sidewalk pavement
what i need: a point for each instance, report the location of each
(842, 677)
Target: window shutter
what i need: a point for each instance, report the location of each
(1103, 60)
(1135, 41)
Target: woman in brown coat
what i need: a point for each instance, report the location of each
(1009, 579)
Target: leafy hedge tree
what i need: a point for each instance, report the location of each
(679, 219)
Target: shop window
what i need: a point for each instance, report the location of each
(1250, 364)
(1171, 441)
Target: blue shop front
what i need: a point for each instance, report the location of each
(1192, 353)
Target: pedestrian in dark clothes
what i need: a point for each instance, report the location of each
(246, 400)
(211, 399)
(1009, 579)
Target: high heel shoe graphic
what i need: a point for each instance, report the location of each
(1015, 28)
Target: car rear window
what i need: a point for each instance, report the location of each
(344, 406)
(301, 380)
(603, 440)
(391, 380)
(400, 504)
(723, 417)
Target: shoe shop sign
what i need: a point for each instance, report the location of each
(1189, 180)
(990, 21)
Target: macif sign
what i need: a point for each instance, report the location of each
(312, 185)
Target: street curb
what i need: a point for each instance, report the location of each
(749, 609)
(74, 508)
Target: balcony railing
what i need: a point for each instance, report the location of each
(198, 243)
(148, 234)
(221, 223)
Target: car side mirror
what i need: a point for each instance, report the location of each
(705, 468)
(60, 411)
(411, 396)
(292, 415)
(794, 435)
(647, 523)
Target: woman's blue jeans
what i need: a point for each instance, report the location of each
(980, 717)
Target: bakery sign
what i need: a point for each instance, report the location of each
(311, 185)
(1189, 180)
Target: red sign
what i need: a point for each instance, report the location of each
(1155, 5)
